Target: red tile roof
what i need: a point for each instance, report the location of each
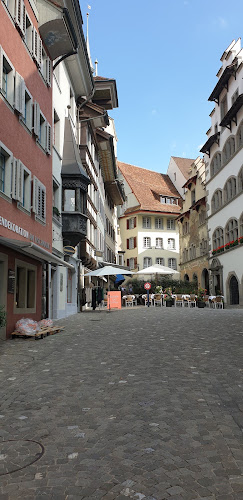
(147, 186)
(184, 165)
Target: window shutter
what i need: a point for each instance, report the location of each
(39, 57)
(14, 178)
(135, 263)
(35, 195)
(18, 12)
(35, 44)
(135, 242)
(23, 19)
(48, 138)
(19, 91)
(127, 243)
(135, 221)
(20, 179)
(36, 118)
(1, 67)
(48, 71)
(43, 203)
(127, 223)
(127, 262)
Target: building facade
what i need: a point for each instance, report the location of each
(147, 220)
(193, 228)
(224, 178)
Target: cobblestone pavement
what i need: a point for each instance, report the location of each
(131, 404)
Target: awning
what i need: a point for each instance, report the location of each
(207, 146)
(223, 81)
(34, 251)
(231, 115)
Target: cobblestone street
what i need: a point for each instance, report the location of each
(138, 403)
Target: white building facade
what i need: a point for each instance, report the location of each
(223, 156)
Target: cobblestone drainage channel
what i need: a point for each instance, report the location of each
(16, 455)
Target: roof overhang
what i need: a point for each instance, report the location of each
(182, 216)
(198, 203)
(34, 251)
(190, 181)
(223, 81)
(208, 144)
(95, 114)
(231, 115)
(105, 94)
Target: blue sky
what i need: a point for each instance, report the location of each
(164, 56)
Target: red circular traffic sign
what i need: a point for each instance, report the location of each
(147, 286)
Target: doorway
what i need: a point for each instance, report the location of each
(3, 289)
(234, 291)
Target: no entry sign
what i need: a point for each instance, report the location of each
(147, 286)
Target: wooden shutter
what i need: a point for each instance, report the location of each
(20, 180)
(48, 138)
(34, 194)
(23, 19)
(39, 58)
(35, 44)
(18, 12)
(127, 262)
(135, 242)
(48, 71)
(135, 263)
(127, 223)
(19, 93)
(127, 243)
(36, 118)
(135, 221)
(14, 178)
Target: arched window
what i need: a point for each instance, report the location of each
(218, 238)
(231, 231)
(216, 200)
(215, 164)
(230, 189)
(240, 179)
(239, 140)
(229, 149)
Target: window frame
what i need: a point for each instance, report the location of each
(24, 284)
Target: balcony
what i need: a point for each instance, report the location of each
(74, 227)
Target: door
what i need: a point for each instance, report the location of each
(234, 291)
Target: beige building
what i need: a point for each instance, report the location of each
(193, 228)
(148, 219)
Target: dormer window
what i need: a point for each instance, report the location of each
(169, 200)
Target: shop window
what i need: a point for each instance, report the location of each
(25, 287)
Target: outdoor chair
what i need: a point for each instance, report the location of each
(206, 300)
(192, 300)
(179, 300)
(130, 300)
(157, 300)
(218, 303)
(146, 300)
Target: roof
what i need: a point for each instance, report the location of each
(184, 165)
(147, 186)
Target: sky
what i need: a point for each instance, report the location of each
(164, 56)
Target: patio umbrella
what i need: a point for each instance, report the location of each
(157, 269)
(108, 271)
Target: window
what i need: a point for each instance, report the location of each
(10, 4)
(42, 129)
(170, 223)
(218, 238)
(46, 67)
(223, 107)
(28, 33)
(6, 160)
(215, 164)
(192, 252)
(171, 244)
(158, 223)
(69, 200)
(240, 180)
(241, 225)
(131, 243)
(229, 149)
(6, 78)
(28, 106)
(25, 287)
(169, 200)
(160, 261)
(146, 242)
(131, 263)
(37, 48)
(56, 199)
(172, 264)
(159, 242)
(147, 262)
(39, 200)
(20, 16)
(147, 222)
(231, 231)
(21, 184)
(234, 96)
(230, 189)
(120, 260)
(203, 247)
(202, 217)
(185, 227)
(193, 196)
(131, 223)
(217, 200)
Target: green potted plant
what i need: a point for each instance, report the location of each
(168, 298)
(3, 316)
(55, 211)
(201, 297)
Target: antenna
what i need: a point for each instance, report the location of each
(96, 67)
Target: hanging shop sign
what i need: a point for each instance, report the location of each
(68, 250)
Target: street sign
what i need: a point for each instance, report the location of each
(68, 250)
(147, 286)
